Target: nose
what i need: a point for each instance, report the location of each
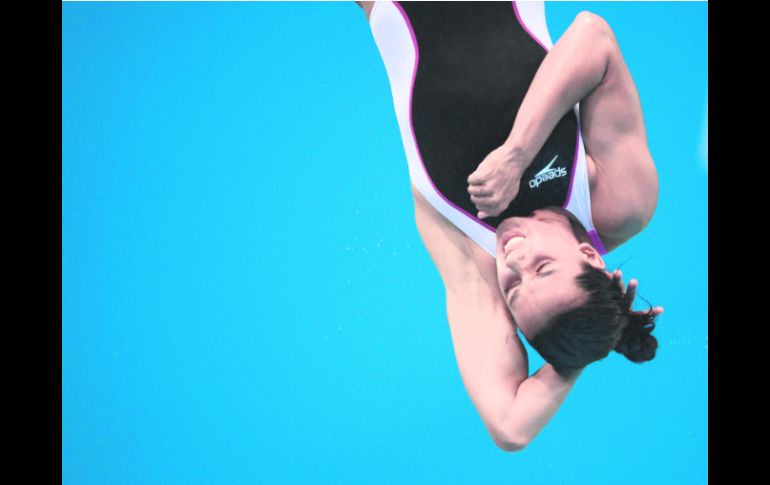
(517, 258)
(514, 260)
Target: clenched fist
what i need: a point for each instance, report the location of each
(495, 183)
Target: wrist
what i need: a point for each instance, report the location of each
(516, 154)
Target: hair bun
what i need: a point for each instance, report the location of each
(637, 342)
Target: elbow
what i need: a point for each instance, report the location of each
(512, 445)
(509, 442)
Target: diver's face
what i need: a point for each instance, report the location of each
(538, 259)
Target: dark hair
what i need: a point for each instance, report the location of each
(577, 337)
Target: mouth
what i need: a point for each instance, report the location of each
(510, 240)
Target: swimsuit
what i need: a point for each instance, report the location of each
(458, 73)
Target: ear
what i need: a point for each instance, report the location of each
(591, 256)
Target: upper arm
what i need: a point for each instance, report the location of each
(490, 356)
(481, 324)
(612, 111)
(626, 195)
(615, 137)
(448, 247)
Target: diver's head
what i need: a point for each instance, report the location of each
(561, 296)
(538, 261)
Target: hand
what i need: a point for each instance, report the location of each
(495, 183)
(630, 292)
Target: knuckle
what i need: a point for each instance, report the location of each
(593, 22)
(586, 17)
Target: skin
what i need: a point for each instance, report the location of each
(539, 272)
(366, 7)
(585, 66)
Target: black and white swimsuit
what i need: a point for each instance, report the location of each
(458, 73)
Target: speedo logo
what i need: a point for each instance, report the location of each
(547, 174)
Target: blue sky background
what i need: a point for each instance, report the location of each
(245, 295)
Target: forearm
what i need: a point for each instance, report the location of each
(536, 402)
(571, 70)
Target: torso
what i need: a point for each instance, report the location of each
(613, 205)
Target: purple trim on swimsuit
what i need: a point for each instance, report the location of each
(521, 22)
(411, 124)
(597, 242)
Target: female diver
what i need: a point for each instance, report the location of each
(488, 111)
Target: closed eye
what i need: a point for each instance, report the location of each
(542, 271)
(518, 282)
(511, 292)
